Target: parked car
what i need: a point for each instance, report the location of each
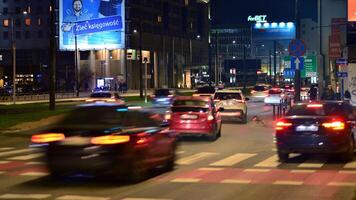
(233, 103)
(105, 97)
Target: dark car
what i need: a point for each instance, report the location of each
(325, 127)
(206, 91)
(163, 97)
(107, 140)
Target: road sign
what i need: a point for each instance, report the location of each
(297, 63)
(342, 74)
(297, 48)
(310, 66)
(341, 61)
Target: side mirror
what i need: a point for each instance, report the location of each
(221, 109)
(247, 99)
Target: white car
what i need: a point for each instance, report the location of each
(104, 97)
(259, 92)
(275, 96)
(233, 103)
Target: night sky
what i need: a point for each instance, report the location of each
(233, 12)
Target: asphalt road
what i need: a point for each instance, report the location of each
(242, 164)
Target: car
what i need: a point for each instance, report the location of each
(259, 92)
(304, 93)
(233, 103)
(322, 127)
(220, 85)
(107, 140)
(104, 97)
(275, 96)
(195, 116)
(207, 91)
(163, 97)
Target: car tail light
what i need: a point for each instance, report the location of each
(110, 139)
(47, 137)
(89, 100)
(142, 138)
(111, 100)
(335, 125)
(282, 125)
(240, 101)
(167, 116)
(170, 96)
(315, 106)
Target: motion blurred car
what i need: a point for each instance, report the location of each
(105, 97)
(220, 86)
(259, 92)
(325, 127)
(275, 96)
(195, 116)
(107, 140)
(233, 103)
(304, 93)
(206, 91)
(163, 97)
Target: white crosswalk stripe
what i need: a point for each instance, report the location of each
(350, 165)
(27, 157)
(25, 196)
(6, 148)
(194, 158)
(269, 162)
(232, 160)
(14, 152)
(312, 164)
(76, 197)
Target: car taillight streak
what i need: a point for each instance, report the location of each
(335, 125)
(47, 137)
(110, 139)
(281, 125)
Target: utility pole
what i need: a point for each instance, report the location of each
(141, 58)
(216, 56)
(76, 59)
(297, 80)
(244, 69)
(53, 49)
(145, 60)
(270, 66)
(275, 63)
(13, 60)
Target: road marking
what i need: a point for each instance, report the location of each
(27, 157)
(347, 172)
(4, 162)
(75, 197)
(236, 181)
(269, 162)
(185, 180)
(34, 174)
(180, 152)
(351, 165)
(302, 171)
(25, 196)
(210, 169)
(352, 184)
(274, 149)
(194, 158)
(232, 160)
(288, 183)
(6, 148)
(144, 199)
(257, 170)
(9, 153)
(309, 164)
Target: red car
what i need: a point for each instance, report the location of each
(196, 116)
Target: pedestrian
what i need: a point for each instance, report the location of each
(313, 93)
(328, 94)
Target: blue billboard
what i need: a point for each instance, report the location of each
(97, 24)
(274, 31)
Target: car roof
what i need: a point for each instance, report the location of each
(324, 102)
(194, 98)
(229, 91)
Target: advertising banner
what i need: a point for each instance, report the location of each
(273, 31)
(352, 82)
(351, 10)
(94, 24)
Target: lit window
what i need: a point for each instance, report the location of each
(6, 22)
(159, 18)
(28, 22)
(186, 2)
(39, 21)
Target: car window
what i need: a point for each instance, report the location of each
(206, 90)
(260, 88)
(163, 92)
(275, 92)
(189, 109)
(227, 96)
(101, 95)
(190, 103)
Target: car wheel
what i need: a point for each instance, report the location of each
(349, 154)
(171, 160)
(283, 156)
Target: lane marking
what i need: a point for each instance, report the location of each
(234, 159)
(27, 157)
(236, 181)
(269, 162)
(35, 163)
(194, 158)
(309, 164)
(352, 184)
(25, 196)
(144, 199)
(4, 162)
(76, 197)
(347, 172)
(302, 171)
(210, 169)
(185, 180)
(9, 153)
(180, 152)
(34, 174)
(350, 165)
(257, 170)
(288, 183)
(6, 148)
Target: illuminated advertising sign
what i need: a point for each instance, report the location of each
(94, 24)
(257, 18)
(274, 31)
(351, 10)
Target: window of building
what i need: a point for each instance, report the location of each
(186, 2)
(18, 35)
(6, 35)
(6, 23)
(27, 34)
(28, 22)
(159, 18)
(39, 21)
(5, 11)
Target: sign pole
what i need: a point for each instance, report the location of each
(297, 70)
(145, 60)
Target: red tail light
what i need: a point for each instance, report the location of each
(315, 106)
(253, 91)
(335, 125)
(282, 125)
(110, 139)
(216, 100)
(47, 137)
(142, 138)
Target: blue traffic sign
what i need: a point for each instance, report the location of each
(297, 48)
(297, 63)
(342, 74)
(341, 61)
(288, 73)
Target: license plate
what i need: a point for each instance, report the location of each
(75, 141)
(189, 117)
(310, 128)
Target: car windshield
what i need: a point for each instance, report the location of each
(163, 92)
(206, 90)
(311, 110)
(227, 96)
(189, 109)
(190, 103)
(260, 88)
(275, 91)
(101, 95)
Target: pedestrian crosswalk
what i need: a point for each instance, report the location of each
(28, 162)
